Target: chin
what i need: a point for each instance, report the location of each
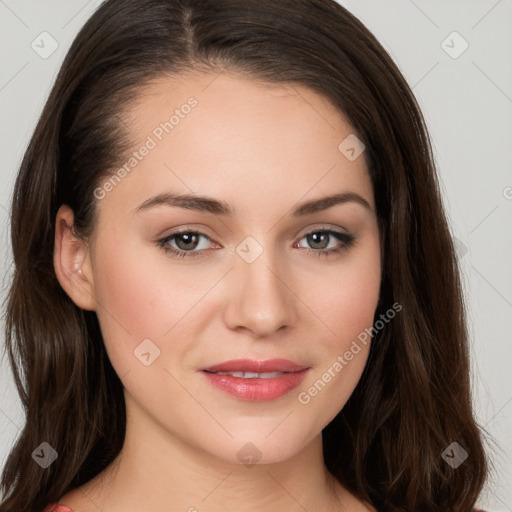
(260, 447)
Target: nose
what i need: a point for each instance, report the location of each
(261, 301)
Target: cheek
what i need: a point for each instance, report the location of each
(344, 297)
(345, 302)
(354, 304)
(126, 293)
(139, 296)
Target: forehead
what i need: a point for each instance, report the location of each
(234, 98)
(233, 137)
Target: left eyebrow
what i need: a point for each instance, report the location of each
(211, 205)
(318, 205)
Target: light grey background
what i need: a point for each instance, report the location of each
(467, 102)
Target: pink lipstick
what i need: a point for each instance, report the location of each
(253, 380)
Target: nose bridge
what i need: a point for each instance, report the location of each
(261, 301)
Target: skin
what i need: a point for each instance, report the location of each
(263, 149)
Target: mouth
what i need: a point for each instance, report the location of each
(258, 367)
(251, 375)
(253, 380)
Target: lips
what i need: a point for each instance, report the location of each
(247, 379)
(253, 366)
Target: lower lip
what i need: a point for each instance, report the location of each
(257, 390)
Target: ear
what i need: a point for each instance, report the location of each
(72, 261)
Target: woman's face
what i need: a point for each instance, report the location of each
(257, 282)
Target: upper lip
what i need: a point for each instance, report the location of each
(251, 365)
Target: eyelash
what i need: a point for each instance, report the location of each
(345, 239)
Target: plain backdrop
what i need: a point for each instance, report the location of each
(456, 56)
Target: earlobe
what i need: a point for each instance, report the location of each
(72, 262)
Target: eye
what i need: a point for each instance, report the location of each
(320, 242)
(186, 243)
(190, 244)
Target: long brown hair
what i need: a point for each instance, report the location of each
(413, 399)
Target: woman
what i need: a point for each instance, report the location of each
(235, 286)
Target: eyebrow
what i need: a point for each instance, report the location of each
(210, 205)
